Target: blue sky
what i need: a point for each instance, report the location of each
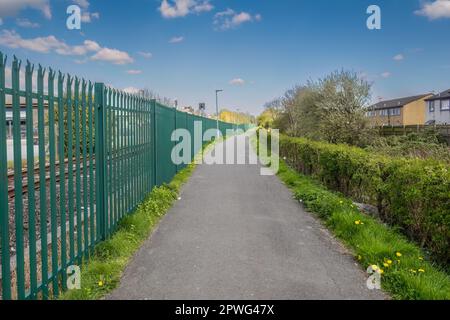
(253, 49)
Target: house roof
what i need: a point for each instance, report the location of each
(397, 103)
(443, 95)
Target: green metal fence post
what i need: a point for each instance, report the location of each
(4, 207)
(52, 160)
(153, 138)
(91, 165)
(100, 167)
(70, 197)
(18, 199)
(42, 182)
(30, 177)
(62, 178)
(79, 241)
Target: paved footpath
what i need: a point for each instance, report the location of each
(238, 235)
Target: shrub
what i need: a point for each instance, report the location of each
(411, 194)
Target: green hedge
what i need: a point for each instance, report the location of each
(413, 195)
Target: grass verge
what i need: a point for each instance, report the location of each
(406, 273)
(101, 274)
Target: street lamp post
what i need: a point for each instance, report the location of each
(217, 112)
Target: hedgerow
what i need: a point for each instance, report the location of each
(411, 194)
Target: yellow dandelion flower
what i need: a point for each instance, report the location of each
(389, 262)
(386, 265)
(413, 271)
(421, 258)
(375, 267)
(357, 222)
(398, 254)
(100, 283)
(381, 271)
(421, 270)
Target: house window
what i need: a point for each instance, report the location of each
(395, 112)
(437, 104)
(384, 112)
(431, 106)
(445, 105)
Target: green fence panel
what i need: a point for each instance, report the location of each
(165, 124)
(93, 154)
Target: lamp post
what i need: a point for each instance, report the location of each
(217, 111)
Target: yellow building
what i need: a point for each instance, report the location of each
(399, 112)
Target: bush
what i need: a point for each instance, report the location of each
(411, 194)
(425, 145)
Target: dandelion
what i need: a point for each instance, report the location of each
(357, 222)
(421, 258)
(374, 267)
(413, 271)
(100, 283)
(398, 254)
(380, 271)
(341, 202)
(386, 265)
(421, 270)
(389, 262)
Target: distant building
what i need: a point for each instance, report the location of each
(188, 109)
(438, 108)
(402, 111)
(23, 119)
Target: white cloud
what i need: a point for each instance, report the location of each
(237, 82)
(87, 16)
(50, 43)
(131, 90)
(147, 55)
(176, 40)
(229, 19)
(84, 4)
(399, 57)
(181, 8)
(12, 7)
(134, 71)
(47, 44)
(386, 74)
(435, 10)
(25, 23)
(113, 56)
(81, 61)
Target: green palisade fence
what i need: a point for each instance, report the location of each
(84, 156)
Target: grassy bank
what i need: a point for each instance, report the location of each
(406, 272)
(410, 194)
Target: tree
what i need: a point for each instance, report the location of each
(331, 109)
(341, 102)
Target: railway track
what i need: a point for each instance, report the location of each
(25, 185)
